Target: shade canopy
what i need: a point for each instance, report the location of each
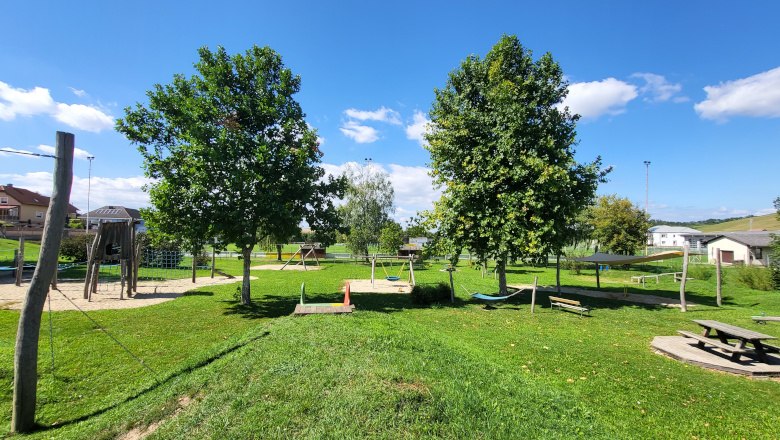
(602, 258)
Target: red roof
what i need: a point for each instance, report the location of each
(27, 197)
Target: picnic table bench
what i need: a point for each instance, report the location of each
(565, 303)
(724, 332)
(764, 319)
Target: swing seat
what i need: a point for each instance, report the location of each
(494, 298)
(392, 278)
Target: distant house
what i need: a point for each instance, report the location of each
(114, 214)
(672, 236)
(742, 247)
(19, 205)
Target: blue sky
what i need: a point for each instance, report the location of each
(693, 87)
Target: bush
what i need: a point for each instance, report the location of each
(426, 294)
(569, 263)
(701, 272)
(754, 277)
(75, 247)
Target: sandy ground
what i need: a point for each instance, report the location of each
(629, 297)
(107, 296)
(381, 285)
(289, 267)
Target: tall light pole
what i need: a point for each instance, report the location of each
(647, 194)
(89, 189)
(647, 183)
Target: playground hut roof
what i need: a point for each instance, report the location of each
(603, 258)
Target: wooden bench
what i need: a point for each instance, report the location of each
(764, 319)
(714, 342)
(570, 304)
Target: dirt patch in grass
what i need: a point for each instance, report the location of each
(141, 432)
(107, 296)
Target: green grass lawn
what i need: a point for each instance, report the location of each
(768, 222)
(392, 370)
(7, 247)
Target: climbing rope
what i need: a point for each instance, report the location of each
(127, 350)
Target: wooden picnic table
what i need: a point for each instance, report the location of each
(743, 336)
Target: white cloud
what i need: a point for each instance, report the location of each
(757, 96)
(78, 153)
(658, 89)
(83, 117)
(417, 129)
(78, 92)
(596, 98)
(383, 114)
(123, 191)
(361, 134)
(38, 101)
(22, 102)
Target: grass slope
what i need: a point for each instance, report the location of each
(392, 370)
(767, 222)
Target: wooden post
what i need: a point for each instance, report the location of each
(411, 269)
(557, 272)
(718, 281)
(683, 305)
(598, 282)
(122, 278)
(452, 284)
(373, 268)
(533, 295)
(20, 261)
(28, 333)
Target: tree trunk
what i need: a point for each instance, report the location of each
(194, 264)
(558, 272)
(26, 352)
(245, 297)
(501, 270)
(279, 252)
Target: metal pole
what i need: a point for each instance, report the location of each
(647, 194)
(89, 190)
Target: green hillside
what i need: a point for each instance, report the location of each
(768, 222)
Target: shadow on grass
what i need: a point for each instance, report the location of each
(187, 369)
(266, 306)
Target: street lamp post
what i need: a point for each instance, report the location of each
(647, 193)
(647, 183)
(89, 189)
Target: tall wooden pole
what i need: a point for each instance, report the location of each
(718, 280)
(20, 261)
(683, 305)
(26, 352)
(533, 294)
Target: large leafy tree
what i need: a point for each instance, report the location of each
(391, 238)
(230, 152)
(502, 150)
(369, 205)
(618, 225)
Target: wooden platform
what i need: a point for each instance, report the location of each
(686, 350)
(314, 309)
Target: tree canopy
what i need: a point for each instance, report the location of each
(391, 238)
(230, 152)
(369, 205)
(502, 150)
(618, 225)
